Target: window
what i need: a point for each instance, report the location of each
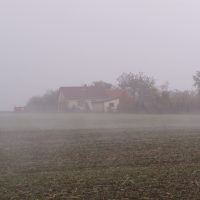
(79, 103)
(111, 105)
(92, 102)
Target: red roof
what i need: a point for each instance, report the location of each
(118, 93)
(84, 92)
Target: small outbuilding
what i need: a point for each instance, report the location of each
(106, 105)
(20, 109)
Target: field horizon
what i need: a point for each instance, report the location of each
(44, 121)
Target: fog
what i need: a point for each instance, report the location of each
(48, 44)
(31, 123)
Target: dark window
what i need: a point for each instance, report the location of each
(79, 103)
(111, 104)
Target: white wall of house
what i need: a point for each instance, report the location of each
(114, 102)
(99, 107)
(74, 102)
(107, 106)
(88, 101)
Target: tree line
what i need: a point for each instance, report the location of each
(146, 96)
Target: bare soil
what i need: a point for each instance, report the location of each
(160, 160)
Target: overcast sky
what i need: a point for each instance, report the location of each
(45, 44)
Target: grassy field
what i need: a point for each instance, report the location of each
(81, 156)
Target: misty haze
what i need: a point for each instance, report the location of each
(99, 99)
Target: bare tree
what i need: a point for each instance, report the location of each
(44, 103)
(107, 86)
(142, 89)
(196, 79)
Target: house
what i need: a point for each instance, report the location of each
(70, 97)
(95, 98)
